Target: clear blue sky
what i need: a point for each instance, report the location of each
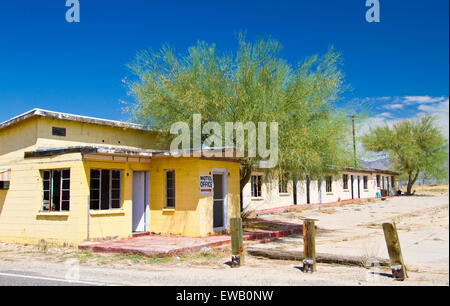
(77, 68)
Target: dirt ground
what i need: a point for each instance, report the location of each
(352, 229)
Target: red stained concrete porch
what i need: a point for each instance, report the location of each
(164, 246)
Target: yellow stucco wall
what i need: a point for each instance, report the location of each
(21, 220)
(83, 134)
(20, 217)
(193, 211)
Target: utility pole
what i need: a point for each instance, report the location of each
(354, 140)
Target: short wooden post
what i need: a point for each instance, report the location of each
(309, 245)
(395, 253)
(237, 243)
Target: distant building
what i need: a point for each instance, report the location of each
(265, 193)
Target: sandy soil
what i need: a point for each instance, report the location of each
(346, 229)
(422, 223)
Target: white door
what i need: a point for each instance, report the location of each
(220, 205)
(140, 201)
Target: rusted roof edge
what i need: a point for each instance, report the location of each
(77, 118)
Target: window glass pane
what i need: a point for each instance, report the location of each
(66, 195)
(46, 185)
(105, 190)
(46, 195)
(115, 194)
(95, 174)
(170, 188)
(116, 174)
(116, 184)
(95, 204)
(170, 175)
(66, 184)
(259, 186)
(170, 202)
(115, 204)
(46, 175)
(95, 184)
(66, 174)
(45, 205)
(65, 205)
(56, 190)
(171, 193)
(95, 195)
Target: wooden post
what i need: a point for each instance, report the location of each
(309, 245)
(395, 253)
(237, 242)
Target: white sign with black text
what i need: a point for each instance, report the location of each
(206, 184)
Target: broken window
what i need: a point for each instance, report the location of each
(345, 181)
(365, 182)
(4, 185)
(170, 188)
(256, 184)
(329, 183)
(55, 190)
(105, 189)
(283, 184)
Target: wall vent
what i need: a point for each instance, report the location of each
(57, 131)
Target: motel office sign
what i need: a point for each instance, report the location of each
(206, 184)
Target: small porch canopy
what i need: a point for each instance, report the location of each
(5, 175)
(96, 152)
(134, 155)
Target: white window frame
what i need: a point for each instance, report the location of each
(50, 190)
(99, 189)
(280, 183)
(257, 196)
(330, 178)
(224, 173)
(366, 182)
(174, 189)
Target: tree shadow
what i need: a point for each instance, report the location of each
(388, 275)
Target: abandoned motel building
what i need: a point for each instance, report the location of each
(70, 179)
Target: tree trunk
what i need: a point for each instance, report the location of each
(411, 181)
(246, 174)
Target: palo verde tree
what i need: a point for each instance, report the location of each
(414, 146)
(253, 84)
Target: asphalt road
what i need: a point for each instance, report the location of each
(16, 279)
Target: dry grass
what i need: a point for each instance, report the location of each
(328, 211)
(431, 189)
(258, 225)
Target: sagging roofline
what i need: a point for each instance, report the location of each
(76, 118)
(101, 150)
(371, 171)
(351, 169)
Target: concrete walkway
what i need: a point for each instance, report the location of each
(164, 246)
(281, 209)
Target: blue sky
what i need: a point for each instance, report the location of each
(398, 67)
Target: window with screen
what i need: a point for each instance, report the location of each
(170, 188)
(366, 182)
(329, 184)
(256, 185)
(283, 184)
(55, 190)
(345, 181)
(105, 189)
